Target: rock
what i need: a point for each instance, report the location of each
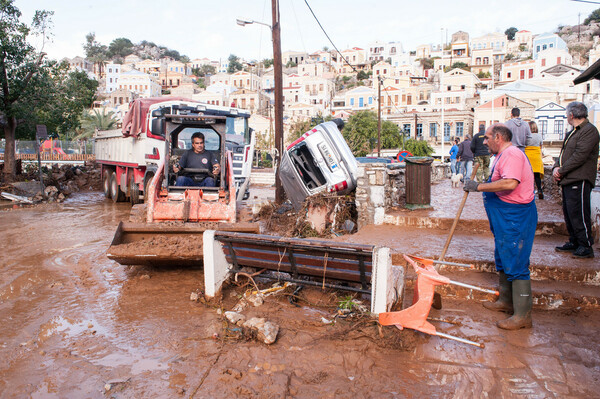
(60, 197)
(235, 317)
(241, 305)
(145, 277)
(51, 191)
(194, 296)
(255, 299)
(78, 171)
(219, 311)
(265, 330)
(107, 387)
(348, 225)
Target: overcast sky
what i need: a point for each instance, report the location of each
(202, 28)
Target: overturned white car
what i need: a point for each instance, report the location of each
(320, 160)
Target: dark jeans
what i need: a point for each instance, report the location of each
(577, 211)
(538, 181)
(189, 182)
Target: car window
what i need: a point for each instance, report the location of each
(212, 140)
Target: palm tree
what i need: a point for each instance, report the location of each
(92, 120)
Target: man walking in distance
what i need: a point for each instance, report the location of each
(510, 206)
(520, 129)
(575, 172)
(466, 158)
(481, 154)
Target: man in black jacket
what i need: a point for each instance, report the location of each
(481, 155)
(575, 172)
(466, 158)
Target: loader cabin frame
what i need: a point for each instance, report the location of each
(177, 124)
(168, 202)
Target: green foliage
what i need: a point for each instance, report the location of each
(482, 75)
(510, 33)
(460, 65)
(346, 79)
(594, 16)
(120, 47)
(92, 120)
(291, 64)
(346, 302)
(298, 128)
(362, 75)
(427, 63)
(94, 50)
(267, 62)
(419, 148)
(360, 133)
(234, 64)
(204, 70)
(57, 100)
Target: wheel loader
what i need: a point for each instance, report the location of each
(174, 217)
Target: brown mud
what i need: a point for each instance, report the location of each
(75, 324)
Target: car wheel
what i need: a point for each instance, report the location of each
(115, 191)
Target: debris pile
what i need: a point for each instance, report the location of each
(59, 183)
(323, 215)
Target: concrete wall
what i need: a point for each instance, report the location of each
(381, 186)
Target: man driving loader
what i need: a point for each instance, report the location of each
(198, 158)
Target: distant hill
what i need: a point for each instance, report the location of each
(580, 39)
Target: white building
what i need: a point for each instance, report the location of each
(551, 119)
(112, 77)
(378, 51)
(139, 83)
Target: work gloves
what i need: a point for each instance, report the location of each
(471, 186)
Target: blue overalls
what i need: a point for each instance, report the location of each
(513, 227)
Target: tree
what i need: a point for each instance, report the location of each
(95, 52)
(20, 66)
(361, 75)
(92, 120)
(291, 64)
(60, 97)
(426, 63)
(594, 16)
(360, 133)
(120, 47)
(267, 62)
(510, 33)
(460, 65)
(234, 64)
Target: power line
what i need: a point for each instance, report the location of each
(587, 1)
(330, 41)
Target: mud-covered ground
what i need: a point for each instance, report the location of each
(74, 324)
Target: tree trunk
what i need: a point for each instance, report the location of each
(10, 169)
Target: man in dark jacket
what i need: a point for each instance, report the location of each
(481, 155)
(575, 172)
(466, 157)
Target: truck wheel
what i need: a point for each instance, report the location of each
(106, 182)
(134, 191)
(115, 191)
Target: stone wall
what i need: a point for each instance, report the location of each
(381, 186)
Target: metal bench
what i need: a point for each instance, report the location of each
(359, 268)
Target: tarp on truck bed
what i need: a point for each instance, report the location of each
(133, 122)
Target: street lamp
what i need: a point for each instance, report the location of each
(244, 22)
(278, 75)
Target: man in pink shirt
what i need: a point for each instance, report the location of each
(509, 202)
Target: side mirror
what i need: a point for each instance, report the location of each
(158, 126)
(157, 113)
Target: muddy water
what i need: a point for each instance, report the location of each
(75, 324)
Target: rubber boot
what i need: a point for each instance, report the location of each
(522, 302)
(504, 302)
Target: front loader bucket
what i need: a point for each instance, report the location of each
(160, 244)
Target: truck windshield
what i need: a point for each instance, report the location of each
(238, 126)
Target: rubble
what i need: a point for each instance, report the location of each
(235, 317)
(60, 181)
(265, 330)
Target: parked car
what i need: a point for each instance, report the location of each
(373, 160)
(320, 160)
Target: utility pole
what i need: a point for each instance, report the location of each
(379, 116)
(579, 27)
(278, 70)
(442, 96)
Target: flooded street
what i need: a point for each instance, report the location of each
(76, 324)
